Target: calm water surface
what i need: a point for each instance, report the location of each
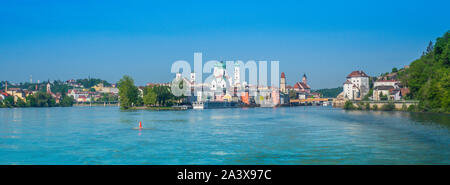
(297, 135)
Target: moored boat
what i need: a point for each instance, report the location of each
(198, 105)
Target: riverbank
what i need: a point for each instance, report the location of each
(158, 108)
(403, 105)
(95, 105)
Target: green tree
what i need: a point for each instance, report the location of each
(383, 96)
(394, 70)
(8, 102)
(293, 95)
(139, 101)
(368, 95)
(59, 87)
(388, 107)
(163, 95)
(20, 103)
(41, 99)
(107, 97)
(404, 107)
(90, 82)
(367, 106)
(149, 97)
(128, 92)
(412, 108)
(375, 107)
(430, 47)
(330, 92)
(66, 101)
(359, 106)
(349, 105)
(428, 77)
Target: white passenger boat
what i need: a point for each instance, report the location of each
(198, 105)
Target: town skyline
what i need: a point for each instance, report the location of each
(225, 83)
(146, 83)
(56, 41)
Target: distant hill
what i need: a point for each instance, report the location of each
(90, 82)
(57, 85)
(330, 92)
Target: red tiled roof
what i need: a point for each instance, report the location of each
(357, 74)
(393, 91)
(404, 91)
(283, 75)
(302, 85)
(305, 85)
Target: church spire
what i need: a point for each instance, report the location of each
(304, 79)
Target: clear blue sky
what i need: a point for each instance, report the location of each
(107, 39)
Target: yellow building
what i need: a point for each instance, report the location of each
(16, 93)
(99, 87)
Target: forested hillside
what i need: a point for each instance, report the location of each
(329, 93)
(429, 77)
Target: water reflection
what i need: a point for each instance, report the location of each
(431, 118)
(284, 135)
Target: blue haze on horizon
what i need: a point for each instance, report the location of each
(61, 40)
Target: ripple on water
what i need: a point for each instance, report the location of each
(291, 135)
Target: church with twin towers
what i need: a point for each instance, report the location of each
(220, 86)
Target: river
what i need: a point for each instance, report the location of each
(286, 135)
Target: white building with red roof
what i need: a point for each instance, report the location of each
(302, 87)
(77, 93)
(391, 88)
(356, 86)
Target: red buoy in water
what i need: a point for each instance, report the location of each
(140, 124)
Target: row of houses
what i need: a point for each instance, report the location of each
(18, 93)
(357, 86)
(226, 88)
(301, 89)
(389, 90)
(83, 95)
(230, 88)
(77, 91)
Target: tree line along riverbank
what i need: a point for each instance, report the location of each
(151, 97)
(38, 99)
(427, 78)
(411, 105)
